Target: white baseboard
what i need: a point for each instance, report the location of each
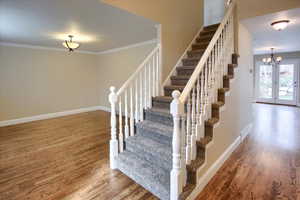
(203, 181)
(246, 131)
(52, 115)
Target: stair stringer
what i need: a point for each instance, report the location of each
(218, 149)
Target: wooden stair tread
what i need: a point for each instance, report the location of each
(218, 104)
(228, 76)
(232, 65)
(204, 141)
(187, 190)
(224, 90)
(195, 164)
(212, 121)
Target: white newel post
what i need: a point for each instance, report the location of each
(113, 153)
(177, 110)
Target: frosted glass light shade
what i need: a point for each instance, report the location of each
(279, 59)
(70, 45)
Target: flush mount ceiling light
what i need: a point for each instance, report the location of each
(70, 45)
(280, 25)
(272, 60)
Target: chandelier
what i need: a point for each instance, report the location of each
(272, 60)
(70, 45)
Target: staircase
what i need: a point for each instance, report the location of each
(161, 140)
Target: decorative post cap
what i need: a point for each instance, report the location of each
(112, 89)
(176, 94)
(176, 106)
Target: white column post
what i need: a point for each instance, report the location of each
(113, 153)
(177, 110)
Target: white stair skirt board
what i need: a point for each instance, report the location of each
(227, 94)
(52, 115)
(217, 125)
(219, 162)
(223, 108)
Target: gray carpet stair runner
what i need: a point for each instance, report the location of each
(147, 158)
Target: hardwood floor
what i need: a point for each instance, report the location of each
(267, 165)
(67, 158)
(64, 158)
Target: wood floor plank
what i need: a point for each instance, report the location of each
(67, 159)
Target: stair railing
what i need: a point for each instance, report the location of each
(130, 101)
(191, 108)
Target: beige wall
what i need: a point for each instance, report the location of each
(115, 68)
(238, 112)
(180, 22)
(253, 8)
(35, 81)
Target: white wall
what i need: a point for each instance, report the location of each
(37, 81)
(214, 11)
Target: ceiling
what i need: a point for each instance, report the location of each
(265, 37)
(95, 25)
(253, 8)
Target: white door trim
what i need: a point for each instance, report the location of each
(296, 79)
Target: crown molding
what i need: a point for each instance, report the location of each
(78, 51)
(128, 47)
(43, 48)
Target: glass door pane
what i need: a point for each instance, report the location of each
(286, 82)
(265, 86)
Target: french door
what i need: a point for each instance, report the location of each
(277, 83)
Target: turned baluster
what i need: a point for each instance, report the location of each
(198, 107)
(153, 77)
(137, 114)
(126, 117)
(145, 88)
(121, 136)
(149, 85)
(193, 138)
(131, 113)
(113, 144)
(157, 75)
(141, 98)
(188, 131)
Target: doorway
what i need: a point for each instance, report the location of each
(277, 84)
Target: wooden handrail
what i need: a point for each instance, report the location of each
(188, 88)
